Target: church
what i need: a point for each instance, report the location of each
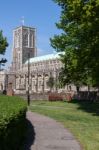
(29, 72)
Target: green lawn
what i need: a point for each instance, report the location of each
(82, 119)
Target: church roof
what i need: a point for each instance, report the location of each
(44, 58)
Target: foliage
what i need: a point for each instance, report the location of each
(79, 22)
(55, 97)
(3, 45)
(12, 122)
(50, 82)
(81, 118)
(2, 61)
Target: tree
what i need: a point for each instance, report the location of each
(3, 45)
(50, 82)
(2, 62)
(79, 40)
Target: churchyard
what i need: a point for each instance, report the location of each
(81, 118)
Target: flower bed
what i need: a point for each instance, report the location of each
(12, 122)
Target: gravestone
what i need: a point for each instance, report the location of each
(10, 91)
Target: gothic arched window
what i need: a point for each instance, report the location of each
(25, 40)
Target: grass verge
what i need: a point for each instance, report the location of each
(81, 118)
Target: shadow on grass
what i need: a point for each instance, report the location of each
(90, 107)
(30, 136)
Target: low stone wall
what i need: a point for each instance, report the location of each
(35, 96)
(68, 96)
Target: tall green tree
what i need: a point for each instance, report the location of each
(79, 40)
(3, 45)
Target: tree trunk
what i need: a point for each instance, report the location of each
(77, 88)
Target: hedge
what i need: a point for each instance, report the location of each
(12, 122)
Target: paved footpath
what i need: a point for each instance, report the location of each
(47, 134)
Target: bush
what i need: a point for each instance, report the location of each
(12, 122)
(55, 97)
(60, 96)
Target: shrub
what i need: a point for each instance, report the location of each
(12, 122)
(55, 97)
(61, 96)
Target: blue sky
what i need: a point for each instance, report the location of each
(41, 14)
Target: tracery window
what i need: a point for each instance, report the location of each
(17, 39)
(33, 84)
(31, 40)
(39, 84)
(25, 38)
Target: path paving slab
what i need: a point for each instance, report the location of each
(48, 134)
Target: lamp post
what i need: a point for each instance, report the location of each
(43, 88)
(28, 92)
(55, 79)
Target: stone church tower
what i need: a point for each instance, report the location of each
(24, 46)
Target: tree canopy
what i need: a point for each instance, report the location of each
(79, 22)
(3, 45)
